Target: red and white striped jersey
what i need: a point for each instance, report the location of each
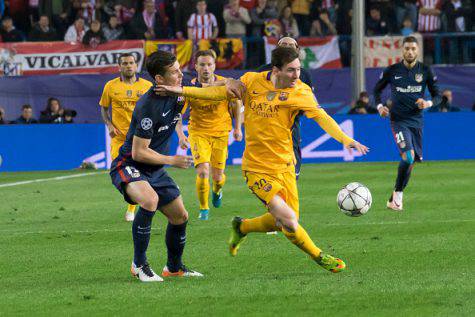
(202, 25)
(429, 23)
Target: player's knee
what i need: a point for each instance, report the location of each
(217, 177)
(178, 218)
(151, 203)
(291, 225)
(408, 157)
(203, 171)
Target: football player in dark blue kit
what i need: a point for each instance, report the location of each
(138, 172)
(408, 80)
(306, 78)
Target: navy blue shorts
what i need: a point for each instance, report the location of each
(408, 138)
(123, 173)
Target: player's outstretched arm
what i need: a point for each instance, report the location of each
(143, 154)
(232, 89)
(333, 129)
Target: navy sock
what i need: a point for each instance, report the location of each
(175, 239)
(141, 228)
(403, 174)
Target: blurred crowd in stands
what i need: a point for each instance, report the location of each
(53, 113)
(98, 21)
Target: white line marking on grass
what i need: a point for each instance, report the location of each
(58, 178)
(323, 225)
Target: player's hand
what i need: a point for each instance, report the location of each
(183, 142)
(237, 134)
(383, 111)
(422, 104)
(182, 161)
(235, 88)
(113, 132)
(363, 149)
(164, 90)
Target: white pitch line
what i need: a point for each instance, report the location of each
(58, 178)
(323, 225)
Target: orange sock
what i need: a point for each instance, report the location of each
(264, 223)
(302, 240)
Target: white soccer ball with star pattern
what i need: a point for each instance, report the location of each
(354, 199)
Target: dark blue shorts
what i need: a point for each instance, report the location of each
(123, 173)
(408, 138)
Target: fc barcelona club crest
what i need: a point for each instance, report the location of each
(419, 77)
(283, 96)
(129, 93)
(271, 95)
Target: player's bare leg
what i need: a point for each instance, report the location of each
(144, 195)
(404, 172)
(176, 239)
(202, 189)
(219, 179)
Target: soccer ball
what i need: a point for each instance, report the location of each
(354, 199)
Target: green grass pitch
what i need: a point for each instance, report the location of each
(66, 250)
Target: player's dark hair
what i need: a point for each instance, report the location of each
(283, 55)
(126, 55)
(49, 102)
(205, 53)
(158, 62)
(409, 39)
(27, 106)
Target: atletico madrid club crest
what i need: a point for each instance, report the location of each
(419, 77)
(129, 93)
(283, 96)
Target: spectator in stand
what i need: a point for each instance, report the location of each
(446, 104)
(301, 11)
(202, 25)
(429, 15)
(407, 28)
(405, 9)
(69, 115)
(94, 36)
(61, 23)
(33, 11)
(183, 11)
(112, 30)
(26, 116)
(123, 11)
(265, 10)
(89, 10)
(289, 23)
(76, 31)
(53, 112)
(147, 24)
(458, 16)
(328, 6)
(362, 105)
(9, 33)
(236, 18)
(248, 4)
(323, 25)
(375, 24)
(42, 31)
(2, 116)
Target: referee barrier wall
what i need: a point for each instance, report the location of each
(447, 136)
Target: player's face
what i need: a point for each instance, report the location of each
(128, 66)
(205, 66)
(410, 51)
(289, 74)
(201, 7)
(172, 77)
